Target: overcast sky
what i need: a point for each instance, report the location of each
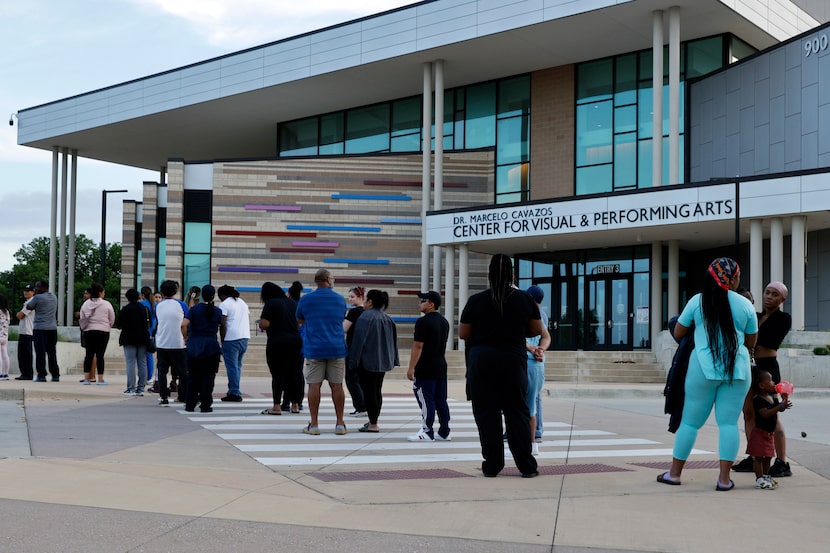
(50, 50)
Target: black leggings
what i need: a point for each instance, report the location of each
(95, 342)
(372, 384)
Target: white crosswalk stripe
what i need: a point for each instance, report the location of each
(278, 441)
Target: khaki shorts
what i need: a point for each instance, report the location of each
(317, 370)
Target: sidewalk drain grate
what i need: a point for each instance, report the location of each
(666, 465)
(355, 476)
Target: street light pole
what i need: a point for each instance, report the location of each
(104, 230)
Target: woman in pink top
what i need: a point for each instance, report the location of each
(97, 318)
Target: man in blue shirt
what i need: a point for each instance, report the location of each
(320, 316)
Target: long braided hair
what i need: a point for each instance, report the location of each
(500, 276)
(717, 313)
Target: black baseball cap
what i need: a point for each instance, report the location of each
(432, 296)
(28, 288)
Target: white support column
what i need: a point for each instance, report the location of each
(674, 278)
(657, 99)
(73, 203)
(449, 294)
(439, 165)
(798, 281)
(674, 95)
(62, 243)
(756, 261)
(776, 249)
(53, 222)
(656, 314)
(463, 283)
(426, 166)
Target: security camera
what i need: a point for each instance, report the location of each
(11, 119)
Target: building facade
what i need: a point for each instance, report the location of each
(402, 149)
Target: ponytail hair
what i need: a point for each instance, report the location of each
(717, 313)
(500, 276)
(379, 299)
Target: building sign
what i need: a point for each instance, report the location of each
(668, 205)
(606, 269)
(593, 214)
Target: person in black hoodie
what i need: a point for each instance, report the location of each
(134, 321)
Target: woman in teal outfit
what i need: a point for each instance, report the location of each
(725, 327)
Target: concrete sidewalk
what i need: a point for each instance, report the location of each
(109, 474)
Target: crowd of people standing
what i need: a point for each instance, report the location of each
(311, 338)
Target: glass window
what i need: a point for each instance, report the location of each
(644, 118)
(514, 96)
(704, 56)
(625, 119)
(625, 80)
(480, 116)
(625, 161)
(299, 138)
(367, 129)
(740, 49)
(593, 133)
(331, 149)
(644, 163)
(593, 180)
(406, 116)
(331, 129)
(508, 198)
(197, 237)
(162, 253)
(594, 81)
(514, 140)
(196, 270)
(408, 143)
(512, 178)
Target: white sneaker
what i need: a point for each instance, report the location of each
(771, 480)
(420, 437)
(763, 483)
(440, 438)
(128, 393)
(534, 450)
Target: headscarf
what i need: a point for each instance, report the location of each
(723, 270)
(779, 287)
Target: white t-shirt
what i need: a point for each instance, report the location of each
(238, 325)
(170, 313)
(24, 327)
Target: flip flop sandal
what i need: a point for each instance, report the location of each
(666, 479)
(269, 412)
(365, 428)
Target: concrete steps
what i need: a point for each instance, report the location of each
(625, 367)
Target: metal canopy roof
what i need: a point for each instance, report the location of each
(243, 125)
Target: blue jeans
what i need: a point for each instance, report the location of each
(232, 352)
(136, 357)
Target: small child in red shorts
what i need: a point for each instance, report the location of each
(761, 444)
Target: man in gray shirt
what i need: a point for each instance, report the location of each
(45, 306)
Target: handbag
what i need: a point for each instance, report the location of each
(151, 344)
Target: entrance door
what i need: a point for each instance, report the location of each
(563, 324)
(609, 317)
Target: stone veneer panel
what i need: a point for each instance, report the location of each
(552, 133)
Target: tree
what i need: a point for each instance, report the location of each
(33, 264)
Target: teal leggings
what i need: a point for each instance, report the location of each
(701, 396)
